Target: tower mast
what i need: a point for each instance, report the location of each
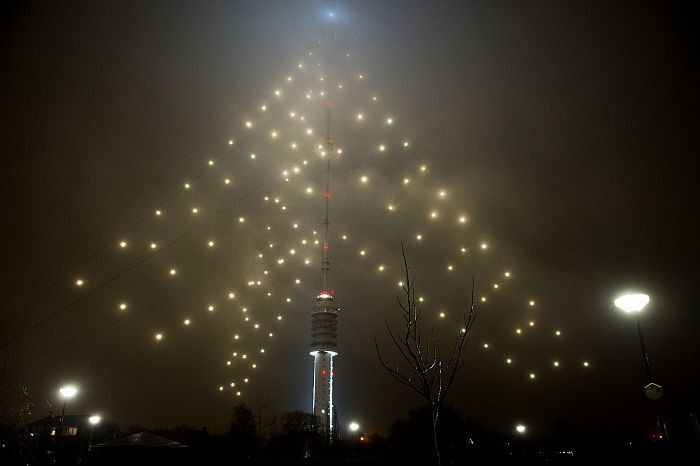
(324, 317)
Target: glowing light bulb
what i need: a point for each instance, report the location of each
(433, 214)
(211, 162)
(586, 364)
(210, 244)
(227, 181)
(363, 179)
(278, 93)
(241, 219)
(279, 317)
(309, 131)
(463, 250)
(486, 345)
(230, 142)
(195, 210)
(122, 306)
(297, 281)
(374, 98)
(419, 237)
(557, 332)
(509, 361)
(442, 193)
(210, 308)
(495, 286)
(532, 324)
(248, 124)
(273, 134)
(173, 271)
(289, 300)
(389, 121)
(531, 303)
(462, 219)
(158, 212)
(449, 267)
(442, 315)
(236, 337)
(362, 252)
(344, 237)
(484, 246)
(532, 375)
(405, 144)
(406, 180)
(263, 108)
(187, 321)
(506, 274)
(360, 116)
(122, 244)
(187, 186)
(293, 145)
(518, 331)
(252, 156)
(382, 148)
(421, 299)
(159, 336)
(483, 299)
(380, 268)
(390, 207)
(555, 363)
(221, 388)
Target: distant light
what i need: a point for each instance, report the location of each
(360, 116)
(211, 162)
(532, 324)
(433, 214)
(423, 168)
(94, 419)
(442, 315)
(484, 246)
(382, 148)
(158, 212)
(79, 282)
(68, 391)
(389, 121)
(362, 252)
(495, 286)
(390, 207)
(363, 179)
(632, 302)
(354, 426)
(442, 193)
(531, 303)
(486, 345)
(187, 186)
(585, 364)
(248, 124)
(462, 219)
(173, 271)
(518, 331)
(159, 336)
(380, 268)
(483, 299)
(419, 237)
(230, 142)
(227, 181)
(520, 428)
(507, 274)
(557, 333)
(122, 244)
(449, 267)
(187, 321)
(210, 308)
(405, 143)
(210, 244)
(463, 250)
(278, 93)
(252, 156)
(509, 361)
(556, 363)
(122, 306)
(195, 210)
(532, 375)
(231, 295)
(406, 180)
(241, 219)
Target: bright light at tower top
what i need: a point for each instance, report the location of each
(68, 391)
(632, 302)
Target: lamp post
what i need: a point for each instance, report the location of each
(633, 303)
(67, 392)
(353, 428)
(94, 420)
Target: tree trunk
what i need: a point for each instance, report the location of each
(434, 412)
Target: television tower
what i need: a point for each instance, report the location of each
(324, 319)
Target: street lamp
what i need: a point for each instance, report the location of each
(353, 427)
(94, 420)
(67, 392)
(633, 303)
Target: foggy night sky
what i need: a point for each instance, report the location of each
(568, 134)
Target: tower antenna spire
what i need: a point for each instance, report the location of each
(325, 262)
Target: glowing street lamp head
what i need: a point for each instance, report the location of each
(632, 302)
(94, 419)
(520, 429)
(354, 426)
(68, 391)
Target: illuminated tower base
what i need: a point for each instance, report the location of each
(324, 345)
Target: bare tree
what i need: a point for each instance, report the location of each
(425, 369)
